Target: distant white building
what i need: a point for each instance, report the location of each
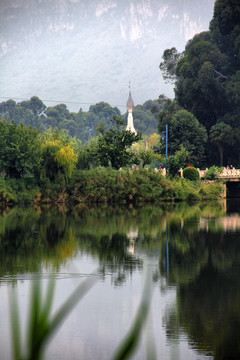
(130, 106)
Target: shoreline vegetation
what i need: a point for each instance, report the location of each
(109, 186)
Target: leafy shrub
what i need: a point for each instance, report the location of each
(213, 172)
(191, 173)
(178, 161)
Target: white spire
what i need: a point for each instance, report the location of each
(130, 106)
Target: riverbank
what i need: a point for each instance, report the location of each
(103, 185)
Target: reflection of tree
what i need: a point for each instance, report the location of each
(28, 236)
(187, 254)
(208, 303)
(113, 256)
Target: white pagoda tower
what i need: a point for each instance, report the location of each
(130, 106)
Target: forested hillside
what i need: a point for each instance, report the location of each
(82, 125)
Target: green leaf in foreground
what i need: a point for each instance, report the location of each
(131, 340)
(41, 325)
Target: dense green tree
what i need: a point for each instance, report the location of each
(178, 161)
(80, 126)
(87, 154)
(104, 112)
(91, 124)
(225, 28)
(20, 153)
(35, 105)
(60, 117)
(7, 108)
(99, 113)
(170, 107)
(222, 134)
(207, 80)
(144, 118)
(28, 112)
(199, 87)
(114, 144)
(184, 130)
(4, 129)
(145, 157)
(59, 152)
(25, 116)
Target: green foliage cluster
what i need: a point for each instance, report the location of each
(178, 161)
(25, 152)
(207, 78)
(114, 145)
(191, 173)
(184, 131)
(213, 172)
(19, 151)
(109, 185)
(196, 190)
(106, 185)
(18, 190)
(136, 186)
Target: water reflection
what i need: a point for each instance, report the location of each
(204, 264)
(196, 247)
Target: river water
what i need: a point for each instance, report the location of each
(188, 254)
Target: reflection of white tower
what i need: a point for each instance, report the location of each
(132, 236)
(130, 106)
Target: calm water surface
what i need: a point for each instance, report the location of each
(189, 254)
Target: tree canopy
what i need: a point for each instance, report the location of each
(207, 78)
(20, 153)
(185, 131)
(114, 144)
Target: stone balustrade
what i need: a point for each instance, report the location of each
(226, 173)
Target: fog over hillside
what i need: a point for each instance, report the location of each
(86, 51)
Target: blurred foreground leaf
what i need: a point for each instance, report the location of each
(41, 325)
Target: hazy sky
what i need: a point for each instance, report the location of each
(87, 51)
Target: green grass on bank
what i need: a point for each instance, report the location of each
(106, 185)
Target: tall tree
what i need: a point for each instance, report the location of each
(59, 152)
(20, 153)
(225, 28)
(207, 81)
(185, 131)
(114, 144)
(222, 134)
(199, 86)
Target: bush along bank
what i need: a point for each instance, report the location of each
(32, 191)
(106, 185)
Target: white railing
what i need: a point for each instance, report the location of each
(226, 173)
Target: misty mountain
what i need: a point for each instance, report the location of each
(87, 51)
